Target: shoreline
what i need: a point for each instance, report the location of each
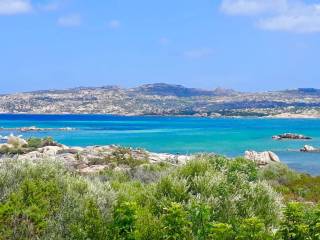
(280, 116)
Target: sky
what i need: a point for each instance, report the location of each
(247, 45)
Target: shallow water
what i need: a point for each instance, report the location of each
(230, 137)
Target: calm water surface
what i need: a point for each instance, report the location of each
(230, 137)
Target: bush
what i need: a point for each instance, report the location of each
(121, 156)
(221, 231)
(209, 198)
(292, 185)
(124, 222)
(176, 225)
(35, 143)
(253, 229)
(25, 214)
(43, 200)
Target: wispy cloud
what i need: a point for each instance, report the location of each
(252, 7)
(50, 6)
(12, 7)
(278, 15)
(164, 41)
(198, 53)
(114, 24)
(299, 19)
(73, 20)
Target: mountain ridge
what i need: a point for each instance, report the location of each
(165, 99)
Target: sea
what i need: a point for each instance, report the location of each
(179, 135)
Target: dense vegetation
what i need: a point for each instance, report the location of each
(209, 198)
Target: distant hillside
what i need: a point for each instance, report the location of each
(165, 99)
(163, 89)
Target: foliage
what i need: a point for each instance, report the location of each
(253, 229)
(175, 223)
(221, 231)
(121, 156)
(35, 143)
(210, 197)
(292, 185)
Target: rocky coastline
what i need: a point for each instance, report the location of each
(36, 129)
(93, 159)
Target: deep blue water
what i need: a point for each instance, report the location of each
(230, 137)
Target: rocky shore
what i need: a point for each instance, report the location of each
(36, 129)
(85, 159)
(93, 159)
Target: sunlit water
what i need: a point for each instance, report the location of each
(230, 137)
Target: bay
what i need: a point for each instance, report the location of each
(184, 135)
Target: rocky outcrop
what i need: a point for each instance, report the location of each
(308, 148)
(88, 159)
(262, 158)
(291, 136)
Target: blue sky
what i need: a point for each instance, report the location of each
(250, 45)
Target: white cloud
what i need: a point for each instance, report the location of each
(299, 19)
(114, 24)
(252, 7)
(12, 7)
(73, 20)
(296, 16)
(198, 53)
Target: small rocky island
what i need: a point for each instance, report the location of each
(292, 136)
(308, 148)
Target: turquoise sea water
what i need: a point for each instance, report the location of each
(230, 137)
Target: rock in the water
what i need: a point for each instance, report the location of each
(308, 148)
(291, 136)
(262, 158)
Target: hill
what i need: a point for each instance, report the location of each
(165, 99)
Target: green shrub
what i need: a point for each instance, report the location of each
(208, 198)
(175, 222)
(294, 225)
(244, 168)
(253, 229)
(292, 185)
(125, 218)
(200, 215)
(25, 214)
(120, 156)
(221, 231)
(45, 201)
